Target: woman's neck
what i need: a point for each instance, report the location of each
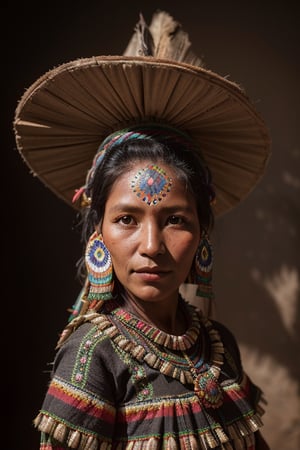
(166, 316)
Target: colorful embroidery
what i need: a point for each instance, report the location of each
(84, 356)
(183, 368)
(144, 389)
(91, 405)
(156, 422)
(151, 184)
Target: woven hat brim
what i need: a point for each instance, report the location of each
(65, 115)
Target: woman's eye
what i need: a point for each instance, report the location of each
(175, 220)
(126, 220)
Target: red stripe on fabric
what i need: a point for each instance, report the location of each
(81, 404)
(174, 410)
(236, 394)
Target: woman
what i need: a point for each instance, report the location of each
(138, 366)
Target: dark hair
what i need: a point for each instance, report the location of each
(117, 160)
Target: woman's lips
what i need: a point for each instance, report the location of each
(151, 273)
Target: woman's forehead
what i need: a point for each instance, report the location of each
(149, 183)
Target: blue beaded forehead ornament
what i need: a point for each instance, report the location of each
(151, 184)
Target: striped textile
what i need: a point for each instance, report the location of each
(102, 397)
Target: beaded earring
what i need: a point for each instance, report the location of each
(99, 269)
(203, 268)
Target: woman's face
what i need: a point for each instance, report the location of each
(152, 231)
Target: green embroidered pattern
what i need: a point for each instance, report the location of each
(144, 389)
(84, 355)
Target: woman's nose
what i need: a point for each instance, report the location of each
(151, 240)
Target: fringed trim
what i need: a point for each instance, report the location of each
(212, 440)
(172, 342)
(245, 427)
(72, 438)
(260, 401)
(73, 325)
(139, 353)
(260, 407)
(260, 410)
(237, 435)
(204, 441)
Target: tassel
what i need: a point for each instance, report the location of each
(74, 439)
(60, 432)
(152, 444)
(171, 444)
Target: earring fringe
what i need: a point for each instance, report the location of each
(99, 270)
(203, 268)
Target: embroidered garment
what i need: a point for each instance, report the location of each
(119, 383)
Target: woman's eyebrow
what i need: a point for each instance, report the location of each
(128, 207)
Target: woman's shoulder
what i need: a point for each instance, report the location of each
(225, 332)
(79, 326)
(84, 337)
(232, 365)
(86, 353)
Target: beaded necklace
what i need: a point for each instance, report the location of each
(157, 355)
(206, 385)
(168, 353)
(170, 341)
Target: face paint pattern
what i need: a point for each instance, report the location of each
(151, 184)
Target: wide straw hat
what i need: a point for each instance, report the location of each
(64, 116)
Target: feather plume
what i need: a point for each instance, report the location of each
(163, 39)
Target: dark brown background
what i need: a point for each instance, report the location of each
(256, 246)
